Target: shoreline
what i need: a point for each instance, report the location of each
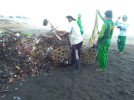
(23, 27)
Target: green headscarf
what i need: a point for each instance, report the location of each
(79, 14)
(124, 16)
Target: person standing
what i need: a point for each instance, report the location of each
(104, 39)
(122, 26)
(76, 41)
(79, 23)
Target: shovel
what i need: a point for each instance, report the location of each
(45, 22)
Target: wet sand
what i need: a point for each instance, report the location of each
(22, 27)
(116, 83)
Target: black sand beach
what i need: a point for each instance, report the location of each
(116, 83)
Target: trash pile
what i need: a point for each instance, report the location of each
(22, 55)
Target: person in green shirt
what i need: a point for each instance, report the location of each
(79, 23)
(104, 39)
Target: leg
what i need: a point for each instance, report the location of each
(73, 55)
(77, 49)
(122, 44)
(103, 56)
(119, 43)
(77, 56)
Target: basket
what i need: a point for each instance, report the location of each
(88, 55)
(61, 55)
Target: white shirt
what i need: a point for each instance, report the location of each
(75, 35)
(123, 28)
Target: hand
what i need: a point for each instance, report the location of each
(56, 31)
(96, 44)
(119, 27)
(98, 33)
(98, 11)
(119, 17)
(119, 40)
(61, 35)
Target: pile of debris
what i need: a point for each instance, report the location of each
(22, 55)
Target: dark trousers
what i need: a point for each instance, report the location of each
(76, 52)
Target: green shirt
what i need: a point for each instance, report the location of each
(79, 24)
(106, 31)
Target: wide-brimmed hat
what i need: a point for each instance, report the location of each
(70, 17)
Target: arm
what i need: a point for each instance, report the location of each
(101, 34)
(112, 29)
(117, 23)
(67, 32)
(62, 33)
(104, 26)
(111, 34)
(124, 27)
(79, 22)
(59, 31)
(101, 16)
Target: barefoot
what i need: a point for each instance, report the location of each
(120, 53)
(99, 70)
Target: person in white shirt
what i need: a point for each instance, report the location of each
(122, 26)
(76, 41)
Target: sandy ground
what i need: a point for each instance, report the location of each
(116, 83)
(23, 27)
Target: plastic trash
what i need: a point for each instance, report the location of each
(17, 34)
(49, 49)
(16, 98)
